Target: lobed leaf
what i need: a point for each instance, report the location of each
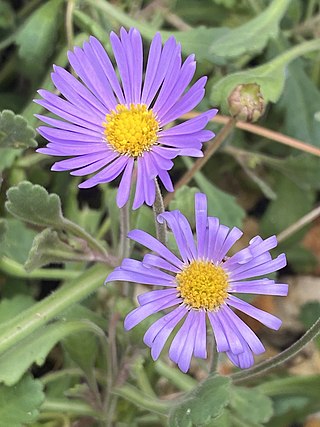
(19, 405)
(201, 404)
(33, 204)
(15, 131)
(252, 36)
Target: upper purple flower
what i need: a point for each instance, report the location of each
(201, 285)
(108, 125)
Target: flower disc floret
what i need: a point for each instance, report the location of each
(131, 130)
(203, 285)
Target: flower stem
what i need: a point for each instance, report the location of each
(124, 249)
(198, 164)
(273, 362)
(158, 208)
(92, 242)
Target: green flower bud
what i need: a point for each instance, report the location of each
(246, 102)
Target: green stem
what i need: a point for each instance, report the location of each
(13, 268)
(42, 312)
(273, 362)
(95, 244)
(70, 407)
(181, 381)
(124, 249)
(135, 396)
(158, 208)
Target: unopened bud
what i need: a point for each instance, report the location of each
(246, 102)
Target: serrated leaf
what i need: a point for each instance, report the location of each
(47, 247)
(33, 204)
(203, 403)
(36, 38)
(35, 348)
(252, 36)
(19, 405)
(15, 131)
(220, 203)
(269, 76)
(251, 405)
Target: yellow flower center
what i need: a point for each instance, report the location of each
(203, 285)
(131, 130)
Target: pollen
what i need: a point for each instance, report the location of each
(131, 130)
(203, 285)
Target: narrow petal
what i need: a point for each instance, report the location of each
(265, 268)
(151, 260)
(218, 331)
(153, 244)
(125, 184)
(266, 287)
(155, 295)
(201, 222)
(260, 315)
(200, 344)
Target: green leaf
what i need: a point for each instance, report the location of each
(19, 405)
(3, 232)
(222, 420)
(7, 16)
(36, 40)
(35, 348)
(270, 76)
(300, 102)
(15, 131)
(251, 405)
(309, 313)
(220, 203)
(8, 157)
(203, 403)
(253, 36)
(13, 306)
(33, 204)
(18, 240)
(184, 202)
(48, 247)
(291, 204)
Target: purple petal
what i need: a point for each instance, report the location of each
(158, 333)
(219, 333)
(139, 314)
(151, 260)
(201, 222)
(79, 161)
(190, 126)
(260, 315)
(166, 180)
(155, 295)
(125, 184)
(181, 346)
(153, 244)
(120, 57)
(243, 360)
(200, 344)
(263, 287)
(213, 227)
(187, 351)
(230, 240)
(265, 268)
(229, 329)
(152, 66)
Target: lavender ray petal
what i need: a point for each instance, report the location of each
(125, 184)
(187, 351)
(136, 316)
(233, 236)
(53, 135)
(107, 67)
(276, 289)
(150, 296)
(200, 344)
(152, 66)
(201, 222)
(221, 235)
(166, 152)
(190, 126)
(153, 244)
(78, 161)
(266, 268)
(136, 277)
(122, 62)
(150, 260)
(179, 341)
(166, 180)
(93, 167)
(94, 130)
(230, 331)
(218, 331)
(139, 197)
(213, 227)
(262, 316)
(108, 174)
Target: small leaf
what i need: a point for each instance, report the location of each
(15, 131)
(48, 248)
(203, 403)
(252, 36)
(251, 405)
(19, 405)
(36, 40)
(269, 76)
(3, 232)
(8, 157)
(33, 204)
(35, 348)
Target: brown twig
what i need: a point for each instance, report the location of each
(199, 163)
(293, 228)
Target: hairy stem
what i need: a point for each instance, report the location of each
(284, 356)
(158, 208)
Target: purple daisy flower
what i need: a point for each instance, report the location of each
(201, 285)
(109, 125)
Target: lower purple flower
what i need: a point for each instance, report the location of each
(201, 285)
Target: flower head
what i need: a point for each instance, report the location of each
(199, 286)
(109, 124)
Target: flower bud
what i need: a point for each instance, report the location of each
(246, 102)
